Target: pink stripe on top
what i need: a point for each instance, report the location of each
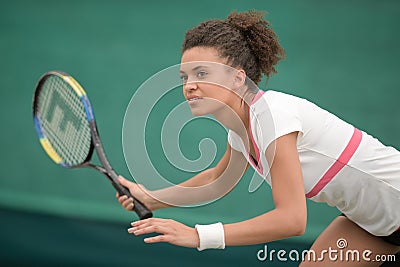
(257, 96)
(343, 159)
(259, 167)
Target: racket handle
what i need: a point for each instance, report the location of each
(141, 210)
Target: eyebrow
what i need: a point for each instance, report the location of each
(194, 69)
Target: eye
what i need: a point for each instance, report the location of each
(201, 74)
(184, 78)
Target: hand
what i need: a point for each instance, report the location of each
(136, 190)
(170, 231)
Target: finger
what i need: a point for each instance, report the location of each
(122, 199)
(138, 225)
(165, 223)
(156, 239)
(151, 221)
(148, 230)
(127, 202)
(123, 181)
(150, 225)
(129, 206)
(142, 222)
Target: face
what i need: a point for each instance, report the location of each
(208, 84)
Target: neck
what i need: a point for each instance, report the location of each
(235, 116)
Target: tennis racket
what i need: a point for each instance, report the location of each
(67, 130)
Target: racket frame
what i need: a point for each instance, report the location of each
(106, 169)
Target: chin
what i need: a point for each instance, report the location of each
(203, 111)
(197, 113)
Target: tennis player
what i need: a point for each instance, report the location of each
(300, 149)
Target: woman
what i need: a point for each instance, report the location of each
(300, 149)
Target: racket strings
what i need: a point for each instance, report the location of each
(64, 121)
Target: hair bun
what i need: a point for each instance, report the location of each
(243, 39)
(247, 21)
(260, 37)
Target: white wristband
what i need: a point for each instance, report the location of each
(211, 236)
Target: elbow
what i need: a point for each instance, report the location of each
(290, 223)
(294, 223)
(299, 230)
(298, 225)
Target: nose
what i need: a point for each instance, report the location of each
(190, 86)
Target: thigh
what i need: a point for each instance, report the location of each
(344, 243)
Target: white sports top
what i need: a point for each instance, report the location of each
(341, 165)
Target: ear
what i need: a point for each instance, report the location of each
(240, 78)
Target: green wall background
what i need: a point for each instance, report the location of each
(343, 55)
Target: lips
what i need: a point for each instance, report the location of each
(193, 98)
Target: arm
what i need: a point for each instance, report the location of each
(227, 166)
(287, 219)
(205, 186)
(290, 214)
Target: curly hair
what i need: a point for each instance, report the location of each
(245, 39)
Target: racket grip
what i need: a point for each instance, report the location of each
(141, 210)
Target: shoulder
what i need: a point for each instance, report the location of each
(277, 97)
(275, 102)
